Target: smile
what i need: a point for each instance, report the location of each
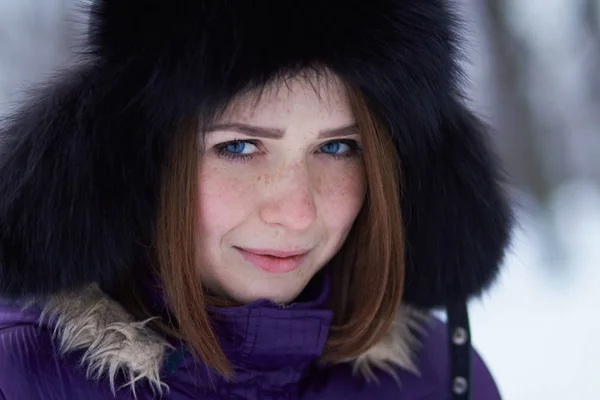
(274, 261)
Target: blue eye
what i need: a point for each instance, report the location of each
(236, 150)
(237, 147)
(340, 148)
(332, 148)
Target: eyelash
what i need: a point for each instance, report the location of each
(221, 150)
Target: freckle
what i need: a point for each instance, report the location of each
(259, 178)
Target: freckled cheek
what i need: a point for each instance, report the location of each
(223, 197)
(342, 193)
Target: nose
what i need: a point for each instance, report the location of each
(289, 199)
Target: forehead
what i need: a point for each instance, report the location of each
(305, 95)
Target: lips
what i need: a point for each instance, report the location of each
(274, 261)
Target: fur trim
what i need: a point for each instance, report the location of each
(112, 341)
(397, 348)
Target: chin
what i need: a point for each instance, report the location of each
(266, 292)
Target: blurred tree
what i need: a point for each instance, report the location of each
(511, 62)
(591, 19)
(533, 142)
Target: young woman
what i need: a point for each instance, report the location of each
(249, 200)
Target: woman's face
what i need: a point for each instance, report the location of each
(281, 182)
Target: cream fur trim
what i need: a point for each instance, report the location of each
(113, 341)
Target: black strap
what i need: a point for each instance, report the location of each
(459, 338)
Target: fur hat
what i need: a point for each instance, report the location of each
(80, 161)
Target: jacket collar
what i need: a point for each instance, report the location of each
(266, 335)
(260, 334)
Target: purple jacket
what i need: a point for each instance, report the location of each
(75, 349)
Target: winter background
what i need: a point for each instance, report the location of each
(534, 75)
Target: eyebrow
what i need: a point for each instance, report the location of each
(274, 133)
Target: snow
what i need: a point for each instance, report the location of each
(539, 327)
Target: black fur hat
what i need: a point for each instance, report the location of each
(80, 162)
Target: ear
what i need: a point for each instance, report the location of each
(74, 189)
(456, 215)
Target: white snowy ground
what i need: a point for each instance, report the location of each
(539, 328)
